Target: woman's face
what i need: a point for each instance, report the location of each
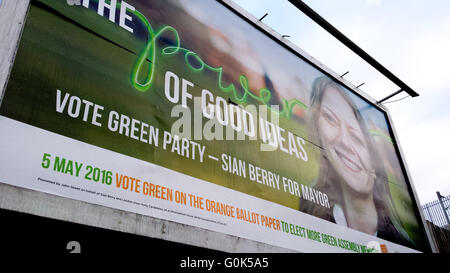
(345, 143)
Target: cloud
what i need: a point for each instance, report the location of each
(427, 58)
(373, 2)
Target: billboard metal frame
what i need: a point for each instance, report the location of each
(309, 59)
(352, 46)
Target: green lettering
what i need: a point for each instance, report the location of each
(59, 166)
(46, 161)
(69, 168)
(313, 235)
(78, 168)
(149, 54)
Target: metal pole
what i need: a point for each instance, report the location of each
(390, 96)
(351, 45)
(440, 197)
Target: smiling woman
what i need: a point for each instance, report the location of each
(351, 172)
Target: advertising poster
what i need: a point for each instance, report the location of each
(183, 111)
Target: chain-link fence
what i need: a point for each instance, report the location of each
(436, 214)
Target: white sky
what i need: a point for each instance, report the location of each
(409, 37)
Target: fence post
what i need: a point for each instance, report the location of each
(440, 197)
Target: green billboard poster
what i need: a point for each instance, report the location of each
(184, 111)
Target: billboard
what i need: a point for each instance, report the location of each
(184, 111)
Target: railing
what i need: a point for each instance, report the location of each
(436, 214)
